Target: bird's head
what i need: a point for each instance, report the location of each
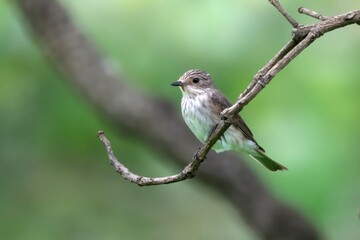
(194, 82)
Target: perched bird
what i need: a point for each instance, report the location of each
(201, 105)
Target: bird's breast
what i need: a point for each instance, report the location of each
(198, 116)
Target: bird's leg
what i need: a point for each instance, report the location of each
(197, 153)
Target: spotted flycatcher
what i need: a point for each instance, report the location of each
(201, 105)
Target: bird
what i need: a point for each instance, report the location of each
(201, 106)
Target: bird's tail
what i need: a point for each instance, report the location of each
(267, 162)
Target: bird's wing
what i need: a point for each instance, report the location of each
(220, 102)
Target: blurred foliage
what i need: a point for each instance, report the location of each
(55, 183)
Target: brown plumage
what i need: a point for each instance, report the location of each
(201, 106)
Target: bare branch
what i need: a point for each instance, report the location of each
(290, 19)
(303, 36)
(331, 23)
(290, 45)
(312, 13)
(186, 173)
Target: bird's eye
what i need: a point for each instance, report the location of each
(196, 80)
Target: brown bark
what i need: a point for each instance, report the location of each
(157, 122)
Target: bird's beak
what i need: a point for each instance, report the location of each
(177, 84)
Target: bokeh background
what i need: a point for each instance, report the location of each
(55, 181)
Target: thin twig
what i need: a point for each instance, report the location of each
(186, 173)
(308, 32)
(258, 76)
(312, 13)
(290, 19)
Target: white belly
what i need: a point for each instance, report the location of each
(201, 121)
(197, 116)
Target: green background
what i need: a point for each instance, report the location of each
(55, 181)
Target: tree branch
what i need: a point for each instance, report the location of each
(188, 172)
(303, 36)
(308, 34)
(289, 18)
